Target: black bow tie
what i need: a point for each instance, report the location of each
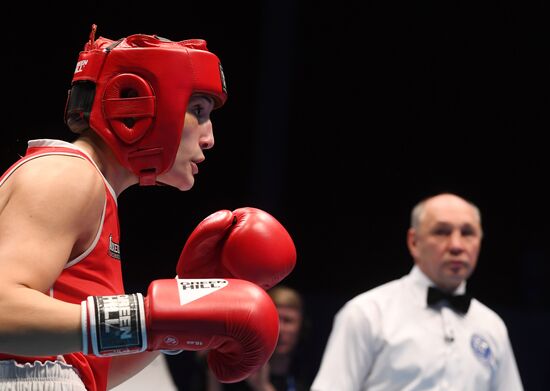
(460, 303)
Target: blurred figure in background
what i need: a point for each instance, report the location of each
(423, 331)
(290, 368)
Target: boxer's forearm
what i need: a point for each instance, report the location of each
(32, 323)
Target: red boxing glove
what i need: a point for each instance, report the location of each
(234, 319)
(247, 244)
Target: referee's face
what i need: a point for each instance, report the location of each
(446, 244)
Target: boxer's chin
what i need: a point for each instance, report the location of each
(181, 187)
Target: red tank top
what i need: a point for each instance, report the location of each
(96, 272)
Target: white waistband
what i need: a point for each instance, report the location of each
(39, 376)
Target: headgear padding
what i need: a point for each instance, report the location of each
(134, 93)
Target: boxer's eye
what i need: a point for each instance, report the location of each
(198, 110)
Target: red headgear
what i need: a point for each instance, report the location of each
(134, 93)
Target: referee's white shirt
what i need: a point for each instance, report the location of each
(388, 339)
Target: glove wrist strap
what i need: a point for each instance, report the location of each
(115, 325)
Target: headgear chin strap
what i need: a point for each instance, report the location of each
(134, 93)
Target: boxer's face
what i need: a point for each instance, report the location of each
(447, 241)
(197, 135)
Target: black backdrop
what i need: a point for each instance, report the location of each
(340, 117)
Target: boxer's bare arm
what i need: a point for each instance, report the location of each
(50, 209)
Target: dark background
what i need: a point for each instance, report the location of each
(340, 117)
